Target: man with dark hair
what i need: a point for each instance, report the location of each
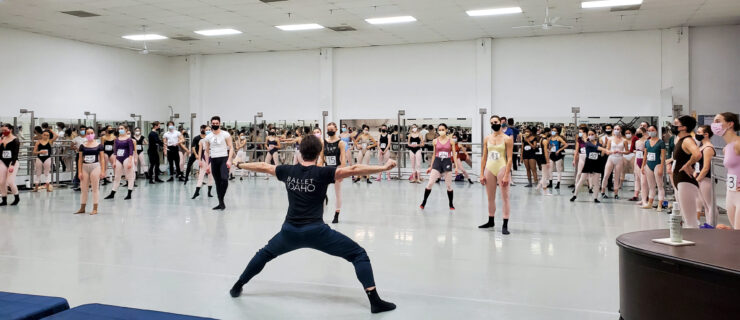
(153, 153)
(220, 149)
(304, 226)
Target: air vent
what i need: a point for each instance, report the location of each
(184, 38)
(81, 14)
(268, 1)
(342, 28)
(625, 8)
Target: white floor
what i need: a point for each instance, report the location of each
(164, 251)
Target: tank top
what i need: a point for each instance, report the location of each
(394, 141)
(43, 157)
(332, 153)
(732, 164)
(554, 146)
(592, 164)
(108, 147)
(364, 142)
(416, 140)
(699, 166)
(639, 152)
(139, 144)
(443, 150)
(90, 155)
(617, 146)
(496, 157)
(529, 151)
(681, 158)
(383, 142)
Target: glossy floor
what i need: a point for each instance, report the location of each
(166, 252)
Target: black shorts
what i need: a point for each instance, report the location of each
(442, 165)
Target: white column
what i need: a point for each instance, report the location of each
(326, 84)
(483, 84)
(675, 67)
(194, 85)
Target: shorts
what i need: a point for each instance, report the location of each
(442, 165)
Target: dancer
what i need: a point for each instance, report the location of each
(557, 154)
(140, 142)
(155, 143)
(91, 161)
(441, 164)
(306, 185)
(9, 165)
(194, 145)
(415, 143)
(173, 140)
(641, 185)
(726, 126)
(203, 162)
(125, 161)
(108, 139)
(616, 147)
(703, 176)
(462, 157)
(363, 143)
(544, 158)
(384, 151)
(42, 150)
(592, 168)
(272, 144)
(496, 163)
(685, 156)
(653, 170)
(529, 157)
(220, 150)
(333, 156)
(579, 156)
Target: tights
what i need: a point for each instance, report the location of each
(7, 179)
(733, 208)
(90, 178)
(531, 166)
(557, 166)
(616, 165)
(43, 171)
(686, 197)
(382, 158)
(415, 159)
(123, 169)
(591, 178)
(546, 174)
(436, 175)
(202, 173)
(707, 200)
(493, 182)
(654, 180)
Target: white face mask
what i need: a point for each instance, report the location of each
(442, 132)
(138, 133)
(580, 134)
(653, 134)
(628, 136)
(590, 137)
(617, 131)
(413, 129)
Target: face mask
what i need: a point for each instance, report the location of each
(364, 131)
(580, 134)
(242, 137)
(138, 133)
(6, 133)
(82, 132)
(110, 131)
(90, 137)
(674, 129)
(202, 132)
(495, 126)
(717, 129)
(208, 132)
(628, 136)
(172, 128)
(590, 137)
(608, 131)
(413, 129)
(554, 133)
(699, 137)
(442, 132)
(454, 140)
(617, 131)
(653, 134)
(330, 133)
(214, 127)
(344, 129)
(318, 135)
(383, 130)
(121, 132)
(639, 135)
(272, 133)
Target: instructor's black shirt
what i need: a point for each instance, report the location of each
(154, 141)
(306, 188)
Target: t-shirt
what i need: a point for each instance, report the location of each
(196, 142)
(306, 186)
(173, 138)
(512, 132)
(217, 141)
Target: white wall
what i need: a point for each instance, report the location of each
(282, 85)
(603, 73)
(62, 78)
(715, 69)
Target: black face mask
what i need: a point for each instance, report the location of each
(330, 133)
(272, 133)
(202, 132)
(674, 129)
(383, 130)
(638, 135)
(110, 131)
(496, 126)
(699, 138)
(215, 127)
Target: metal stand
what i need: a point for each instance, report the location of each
(401, 135)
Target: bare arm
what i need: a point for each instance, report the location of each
(708, 154)
(692, 149)
(342, 155)
(484, 157)
(36, 148)
(261, 167)
(362, 170)
(230, 145)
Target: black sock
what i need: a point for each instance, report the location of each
(111, 195)
(336, 217)
(449, 196)
(5, 201)
(505, 228)
(197, 192)
(426, 196)
(209, 191)
(236, 290)
(377, 305)
(128, 196)
(16, 200)
(488, 224)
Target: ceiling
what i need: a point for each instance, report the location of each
(438, 20)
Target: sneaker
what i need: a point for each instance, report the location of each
(706, 226)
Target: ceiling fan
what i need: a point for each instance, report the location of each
(144, 50)
(550, 23)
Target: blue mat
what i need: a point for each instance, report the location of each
(25, 306)
(102, 311)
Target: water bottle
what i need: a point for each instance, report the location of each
(674, 223)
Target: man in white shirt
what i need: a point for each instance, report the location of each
(173, 141)
(220, 150)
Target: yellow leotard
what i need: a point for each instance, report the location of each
(496, 157)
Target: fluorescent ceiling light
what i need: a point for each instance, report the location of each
(144, 37)
(391, 20)
(493, 12)
(217, 32)
(609, 3)
(296, 27)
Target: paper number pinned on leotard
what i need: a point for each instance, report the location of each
(583, 150)
(139, 147)
(494, 155)
(7, 154)
(696, 168)
(639, 155)
(109, 148)
(527, 148)
(331, 160)
(382, 145)
(120, 152)
(364, 146)
(731, 182)
(443, 155)
(651, 156)
(593, 156)
(89, 159)
(539, 151)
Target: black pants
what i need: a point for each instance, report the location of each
(220, 176)
(173, 159)
(189, 167)
(153, 163)
(316, 236)
(516, 158)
